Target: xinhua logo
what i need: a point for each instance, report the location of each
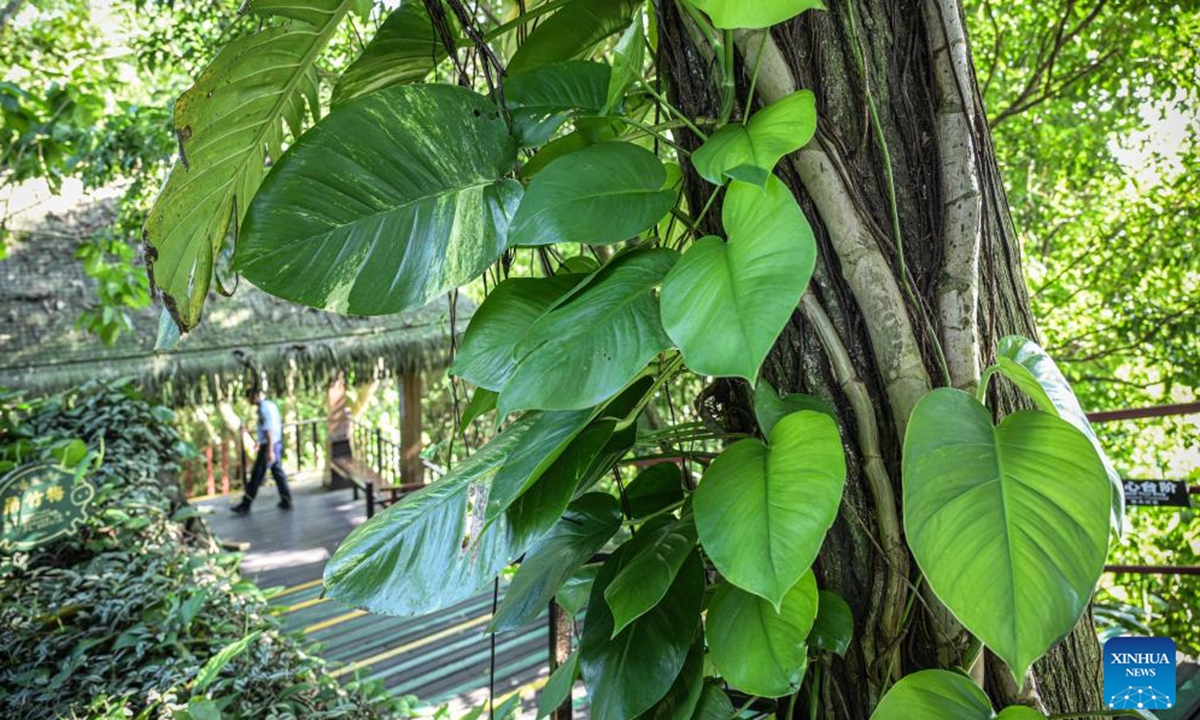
(1139, 673)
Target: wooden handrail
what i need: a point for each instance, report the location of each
(1145, 412)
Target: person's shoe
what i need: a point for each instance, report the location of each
(241, 509)
(284, 505)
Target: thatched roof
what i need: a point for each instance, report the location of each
(43, 290)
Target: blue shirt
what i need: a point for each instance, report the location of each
(270, 421)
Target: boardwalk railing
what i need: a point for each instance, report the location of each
(372, 446)
(224, 466)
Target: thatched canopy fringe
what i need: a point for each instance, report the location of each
(43, 290)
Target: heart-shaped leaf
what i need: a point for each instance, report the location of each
(1033, 370)
(769, 407)
(734, 14)
(934, 695)
(749, 152)
(714, 704)
(601, 194)
(654, 556)
(680, 701)
(627, 674)
(415, 557)
(1008, 523)
(588, 523)
(404, 50)
(725, 303)
(757, 649)
(485, 357)
(762, 513)
(545, 97)
(388, 202)
(834, 626)
(572, 32)
(595, 340)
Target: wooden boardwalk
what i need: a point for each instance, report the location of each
(441, 658)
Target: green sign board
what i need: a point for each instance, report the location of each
(41, 503)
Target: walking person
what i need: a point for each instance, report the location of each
(269, 455)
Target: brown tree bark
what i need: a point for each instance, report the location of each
(962, 291)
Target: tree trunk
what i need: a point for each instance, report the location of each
(869, 338)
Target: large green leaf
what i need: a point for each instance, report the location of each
(654, 556)
(629, 57)
(416, 556)
(655, 488)
(627, 674)
(762, 513)
(680, 701)
(588, 523)
(485, 357)
(404, 50)
(548, 436)
(228, 124)
(1033, 370)
(388, 202)
(834, 627)
(595, 340)
(714, 704)
(934, 695)
(1009, 523)
(749, 152)
(558, 687)
(734, 14)
(601, 194)
(572, 32)
(725, 303)
(757, 649)
(545, 97)
(769, 407)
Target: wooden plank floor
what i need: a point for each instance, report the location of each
(441, 658)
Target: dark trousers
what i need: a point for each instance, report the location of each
(259, 473)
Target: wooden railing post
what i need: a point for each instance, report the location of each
(379, 451)
(208, 464)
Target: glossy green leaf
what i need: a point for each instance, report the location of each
(558, 687)
(601, 194)
(725, 303)
(714, 704)
(762, 513)
(655, 488)
(627, 674)
(485, 357)
(1033, 370)
(228, 124)
(1020, 712)
(416, 557)
(734, 14)
(749, 152)
(629, 57)
(404, 50)
(548, 437)
(1008, 523)
(572, 597)
(680, 701)
(769, 407)
(934, 695)
(588, 523)
(595, 340)
(757, 649)
(834, 627)
(388, 202)
(653, 557)
(482, 402)
(545, 97)
(572, 32)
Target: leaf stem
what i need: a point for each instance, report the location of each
(672, 109)
(526, 17)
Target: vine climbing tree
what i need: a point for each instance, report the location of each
(906, 511)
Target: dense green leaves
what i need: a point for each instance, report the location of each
(572, 32)
(725, 303)
(388, 202)
(762, 512)
(734, 14)
(485, 357)
(1008, 523)
(588, 523)
(629, 673)
(547, 438)
(653, 558)
(757, 649)
(416, 556)
(595, 340)
(749, 152)
(543, 98)
(600, 194)
(228, 124)
(405, 49)
(680, 701)
(834, 627)
(655, 488)
(934, 695)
